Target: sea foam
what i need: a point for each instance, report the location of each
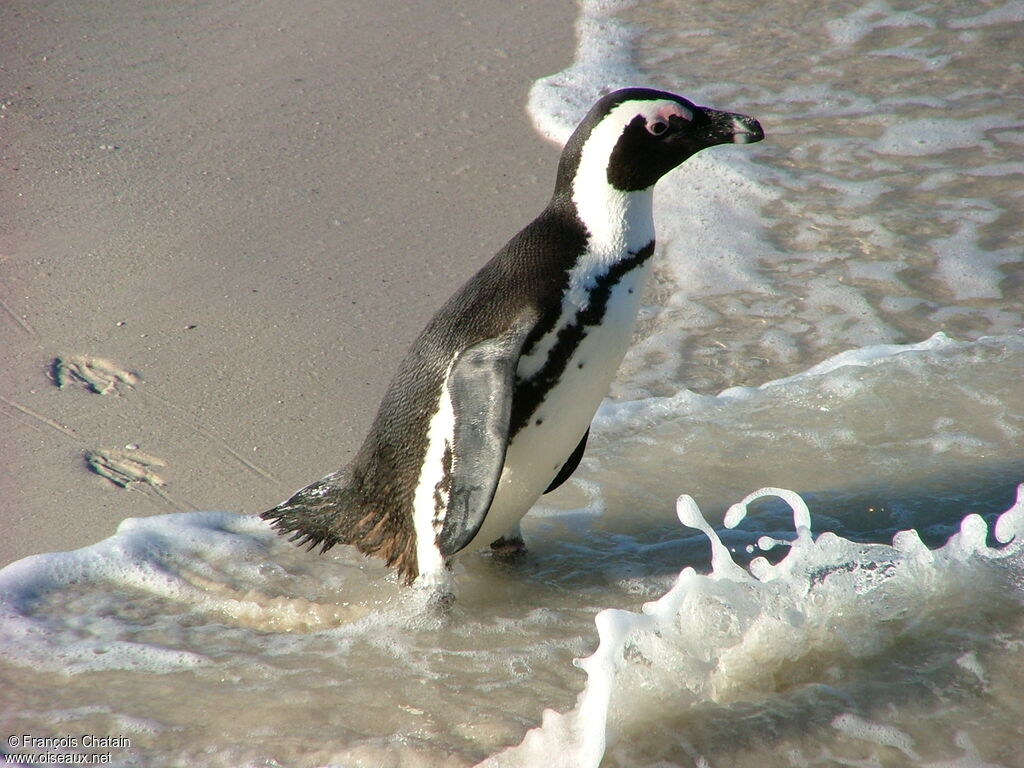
(66, 611)
(869, 215)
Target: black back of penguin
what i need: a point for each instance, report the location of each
(516, 296)
(367, 504)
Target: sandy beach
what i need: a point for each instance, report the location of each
(222, 224)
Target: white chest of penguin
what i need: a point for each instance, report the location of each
(545, 442)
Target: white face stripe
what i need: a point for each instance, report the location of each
(620, 223)
(616, 220)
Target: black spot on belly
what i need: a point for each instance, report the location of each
(530, 393)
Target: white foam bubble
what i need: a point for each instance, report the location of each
(932, 135)
(970, 272)
(877, 733)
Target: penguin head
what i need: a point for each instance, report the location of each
(637, 135)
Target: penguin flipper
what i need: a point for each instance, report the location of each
(480, 387)
(570, 464)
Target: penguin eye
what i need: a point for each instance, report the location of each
(657, 127)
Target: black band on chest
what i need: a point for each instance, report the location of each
(530, 393)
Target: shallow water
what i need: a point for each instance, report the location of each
(837, 312)
(884, 205)
(203, 637)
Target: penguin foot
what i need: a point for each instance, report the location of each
(509, 548)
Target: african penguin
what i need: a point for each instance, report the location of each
(492, 405)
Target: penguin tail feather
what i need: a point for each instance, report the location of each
(330, 512)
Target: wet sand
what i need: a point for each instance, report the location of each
(222, 225)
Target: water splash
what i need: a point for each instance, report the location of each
(736, 635)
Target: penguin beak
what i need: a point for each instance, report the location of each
(728, 128)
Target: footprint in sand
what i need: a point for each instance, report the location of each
(95, 374)
(123, 467)
(102, 377)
